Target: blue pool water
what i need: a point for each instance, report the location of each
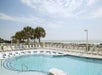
(70, 64)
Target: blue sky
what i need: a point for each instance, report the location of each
(62, 19)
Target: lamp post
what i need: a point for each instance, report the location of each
(86, 39)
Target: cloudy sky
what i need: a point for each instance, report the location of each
(62, 19)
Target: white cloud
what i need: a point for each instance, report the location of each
(61, 8)
(91, 2)
(57, 9)
(34, 20)
(20, 19)
(5, 17)
(97, 13)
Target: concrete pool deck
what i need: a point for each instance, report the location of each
(46, 51)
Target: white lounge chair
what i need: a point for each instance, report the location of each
(55, 71)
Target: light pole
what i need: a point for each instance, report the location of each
(86, 39)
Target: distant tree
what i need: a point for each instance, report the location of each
(1, 40)
(4, 41)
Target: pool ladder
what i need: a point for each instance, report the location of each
(24, 67)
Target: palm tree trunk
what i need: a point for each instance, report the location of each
(39, 40)
(34, 41)
(28, 42)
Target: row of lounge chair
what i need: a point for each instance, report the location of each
(18, 47)
(76, 48)
(73, 48)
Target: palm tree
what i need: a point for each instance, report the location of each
(33, 34)
(28, 33)
(39, 32)
(22, 33)
(14, 40)
(18, 36)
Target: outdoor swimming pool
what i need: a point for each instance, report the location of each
(70, 64)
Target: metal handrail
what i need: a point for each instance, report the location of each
(24, 65)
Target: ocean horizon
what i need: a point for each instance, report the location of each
(75, 41)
